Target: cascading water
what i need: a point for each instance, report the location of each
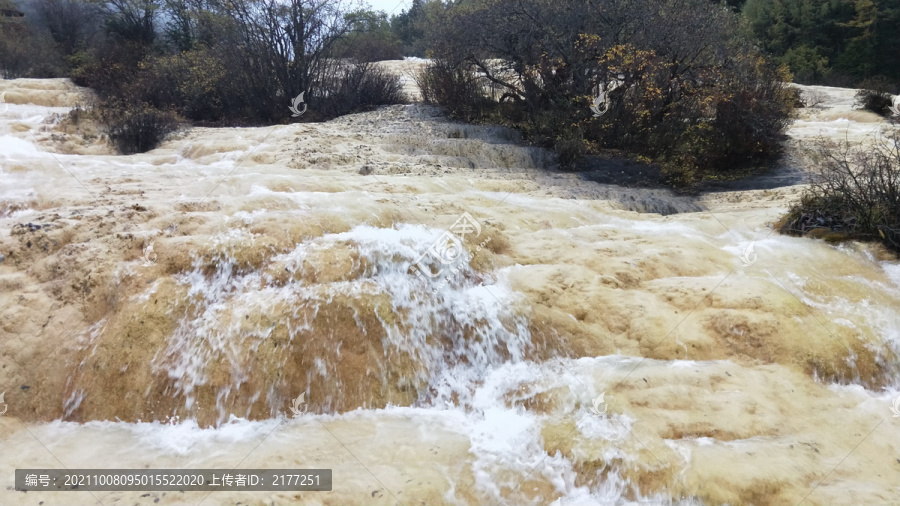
(436, 344)
(165, 310)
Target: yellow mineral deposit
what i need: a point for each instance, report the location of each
(278, 269)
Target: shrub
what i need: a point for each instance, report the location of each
(137, 129)
(697, 124)
(357, 87)
(378, 87)
(195, 83)
(878, 102)
(455, 86)
(231, 65)
(569, 148)
(808, 98)
(713, 114)
(880, 83)
(855, 193)
(753, 110)
(110, 69)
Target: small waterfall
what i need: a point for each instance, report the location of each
(434, 341)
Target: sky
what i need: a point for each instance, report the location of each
(389, 6)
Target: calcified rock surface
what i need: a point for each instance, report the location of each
(162, 310)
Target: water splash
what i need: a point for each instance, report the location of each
(450, 336)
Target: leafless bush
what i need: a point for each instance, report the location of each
(812, 98)
(855, 192)
(357, 87)
(137, 129)
(875, 101)
(455, 86)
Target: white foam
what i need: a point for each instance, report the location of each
(14, 148)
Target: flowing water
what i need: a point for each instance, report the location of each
(590, 345)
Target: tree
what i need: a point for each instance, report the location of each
(406, 26)
(25, 49)
(281, 48)
(682, 87)
(132, 21)
(71, 23)
(371, 38)
(830, 41)
(416, 27)
(14, 61)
